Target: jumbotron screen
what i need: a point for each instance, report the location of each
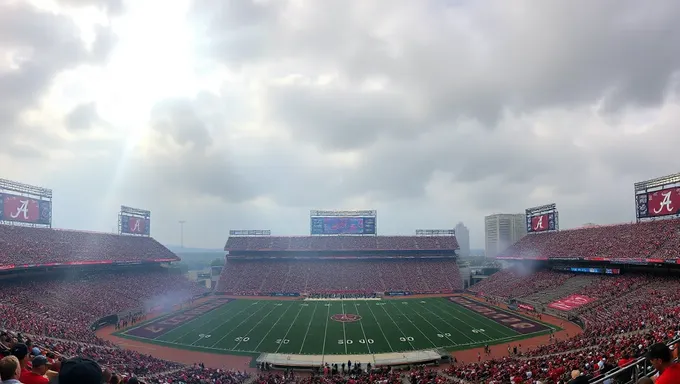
(343, 225)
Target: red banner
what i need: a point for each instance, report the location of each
(19, 208)
(136, 225)
(539, 223)
(571, 302)
(664, 202)
(526, 307)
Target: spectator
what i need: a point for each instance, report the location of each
(660, 356)
(37, 373)
(10, 370)
(20, 351)
(80, 371)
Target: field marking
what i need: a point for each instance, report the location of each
(210, 320)
(325, 332)
(170, 314)
(344, 332)
(503, 330)
(307, 331)
(259, 308)
(432, 325)
(286, 334)
(474, 320)
(362, 329)
(260, 321)
(274, 325)
(445, 310)
(399, 328)
(415, 326)
(450, 325)
(380, 327)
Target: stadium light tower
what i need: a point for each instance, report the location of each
(181, 233)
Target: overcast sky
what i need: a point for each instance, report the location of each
(240, 114)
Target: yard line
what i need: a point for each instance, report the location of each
(274, 325)
(395, 324)
(379, 326)
(481, 319)
(258, 323)
(238, 325)
(356, 308)
(451, 325)
(307, 331)
(325, 331)
(284, 336)
(489, 321)
(463, 321)
(344, 333)
(432, 325)
(206, 323)
(415, 326)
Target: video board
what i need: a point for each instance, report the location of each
(542, 219)
(25, 209)
(26, 204)
(133, 221)
(343, 225)
(659, 203)
(658, 197)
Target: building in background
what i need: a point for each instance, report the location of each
(501, 230)
(463, 237)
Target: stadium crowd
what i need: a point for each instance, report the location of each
(30, 246)
(48, 318)
(341, 243)
(253, 277)
(653, 239)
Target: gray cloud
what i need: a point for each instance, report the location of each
(432, 112)
(40, 45)
(112, 7)
(82, 117)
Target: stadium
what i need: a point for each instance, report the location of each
(344, 304)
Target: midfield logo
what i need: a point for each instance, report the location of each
(346, 317)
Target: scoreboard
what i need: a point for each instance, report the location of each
(343, 223)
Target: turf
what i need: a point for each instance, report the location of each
(297, 327)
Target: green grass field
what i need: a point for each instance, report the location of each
(317, 327)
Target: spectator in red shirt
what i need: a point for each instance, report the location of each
(20, 351)
(660, 356)
(37, 373)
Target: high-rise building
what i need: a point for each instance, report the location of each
(463, 237)
(501, 230)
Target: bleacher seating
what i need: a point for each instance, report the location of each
(335, 276)
(654, 239)
(341, 243)
(29, 246)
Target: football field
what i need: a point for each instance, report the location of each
(225, 325)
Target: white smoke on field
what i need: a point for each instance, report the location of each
(168, 299)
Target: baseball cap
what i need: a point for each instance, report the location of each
(39, 361)
(659, 351)
(79, 370)
(133, 380)
(19, 350)
(35, 351)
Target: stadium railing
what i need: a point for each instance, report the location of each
(632, 372)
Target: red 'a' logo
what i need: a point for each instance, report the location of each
(538, 224)
(666, 205)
